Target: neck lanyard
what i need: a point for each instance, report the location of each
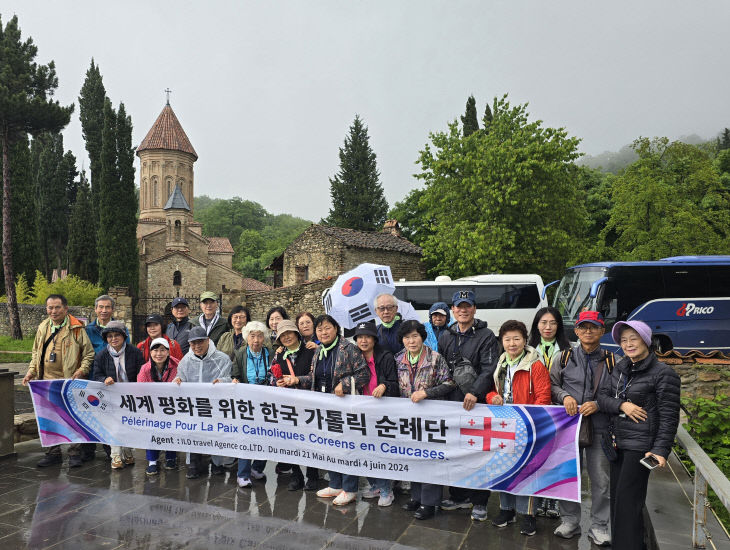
(257, 361)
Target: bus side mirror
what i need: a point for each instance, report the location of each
(544, 289)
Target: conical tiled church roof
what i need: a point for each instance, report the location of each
(167, 133)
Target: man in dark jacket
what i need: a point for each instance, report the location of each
(471, 339)
(386, 307)
(575, 381)
(211, 320)
(179, 329)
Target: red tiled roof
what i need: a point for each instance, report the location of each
(253, 284)
(371, 239)
(220, 245)
(167, 133)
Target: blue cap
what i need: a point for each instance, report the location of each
(178, 301)
(463, 296)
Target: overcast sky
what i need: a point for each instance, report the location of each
(266, 90)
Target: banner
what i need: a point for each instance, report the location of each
(520, 449)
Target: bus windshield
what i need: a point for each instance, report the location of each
(574, 292)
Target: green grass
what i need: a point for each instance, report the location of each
(8, 344)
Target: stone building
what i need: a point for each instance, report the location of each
(175, 258)
(322, 251)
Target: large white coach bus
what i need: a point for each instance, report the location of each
(498, 297)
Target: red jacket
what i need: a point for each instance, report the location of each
(145, 373)
(175, 351)
(530, 384)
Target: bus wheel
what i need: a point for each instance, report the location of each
(663, 343)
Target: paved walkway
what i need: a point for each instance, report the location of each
(94, 507)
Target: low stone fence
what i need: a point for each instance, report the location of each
(295, 299)
(25, 428)
(31, 316)
(703, 375)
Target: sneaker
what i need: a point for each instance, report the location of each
(258, 475)
(117, 463)
(312, 484)
(49, 460)
(371, 492)
(479, 512)
(129, 461)
(567, 530)
(328, 492)
(192, 473)
(450, 504)
(528, 525)
(217, 469)
(541, 507)
(599, 537)
(152, 470)
(171, 464)
(411, 506)
(244, 482)
(75, 461)
(504, 518)
(386, 499)
(425, 512)
(553, 510)
(344, 498)
(295, 484)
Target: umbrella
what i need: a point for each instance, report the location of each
(350, 300)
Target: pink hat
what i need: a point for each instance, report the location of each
(640, 327)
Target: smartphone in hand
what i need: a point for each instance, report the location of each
(649, 462)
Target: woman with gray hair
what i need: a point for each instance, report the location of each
(251, 366)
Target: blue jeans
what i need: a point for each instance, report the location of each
(345, 482)
(523, 504)
(245, 465)
(383, 485)
(155, 455)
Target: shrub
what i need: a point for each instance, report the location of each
(77, 291)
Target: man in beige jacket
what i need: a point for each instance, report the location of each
(61, 349)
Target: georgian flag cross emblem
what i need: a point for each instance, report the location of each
(488, 433)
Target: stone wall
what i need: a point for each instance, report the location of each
(31, 317)
(159, 276)
(320, 253)
(295, 299)
(708, 381)
(402, 266)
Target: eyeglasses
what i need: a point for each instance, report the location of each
(385, 308)
(548, 323)
(241, 317)
(589, 328)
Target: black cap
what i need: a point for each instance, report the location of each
(177, 301)
(368, 328)
(154, 318)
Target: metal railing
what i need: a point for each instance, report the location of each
(706, 474)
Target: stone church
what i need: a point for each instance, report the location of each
(175, 258)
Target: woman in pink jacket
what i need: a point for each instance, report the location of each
(161, 367)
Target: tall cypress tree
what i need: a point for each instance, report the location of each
(487, 118)
(469, 121)
(91, 112)
(26, 107)
(126, 215)
(723, 142)
(358, 201)
(80, 238)
(108, 186)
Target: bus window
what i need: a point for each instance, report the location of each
(635, 287)
(420, 297)
(719, 281)
(682, 281)
(573, 295)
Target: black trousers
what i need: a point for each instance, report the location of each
(296, 472)
(629, 481)
(426, 493)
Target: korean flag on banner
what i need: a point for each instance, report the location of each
(488, 433)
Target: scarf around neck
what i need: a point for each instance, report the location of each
(394, 321)
(118, 358)
(324, 350)
(210, 324)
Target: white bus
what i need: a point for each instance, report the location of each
(498, 297)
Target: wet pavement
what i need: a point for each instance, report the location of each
(96, 507)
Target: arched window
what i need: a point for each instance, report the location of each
(169, 188)
(177, 279)
(154, 193)
(178, 231)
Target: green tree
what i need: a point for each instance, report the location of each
(116, 234)
(80, 239)
(358, 201)
(488, 116)
(469, 122)
(26, 107)
(723, 142)
(672, 201)
(413, 218)
(491, 197)
(230, 217)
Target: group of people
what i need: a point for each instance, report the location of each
(629, 405)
